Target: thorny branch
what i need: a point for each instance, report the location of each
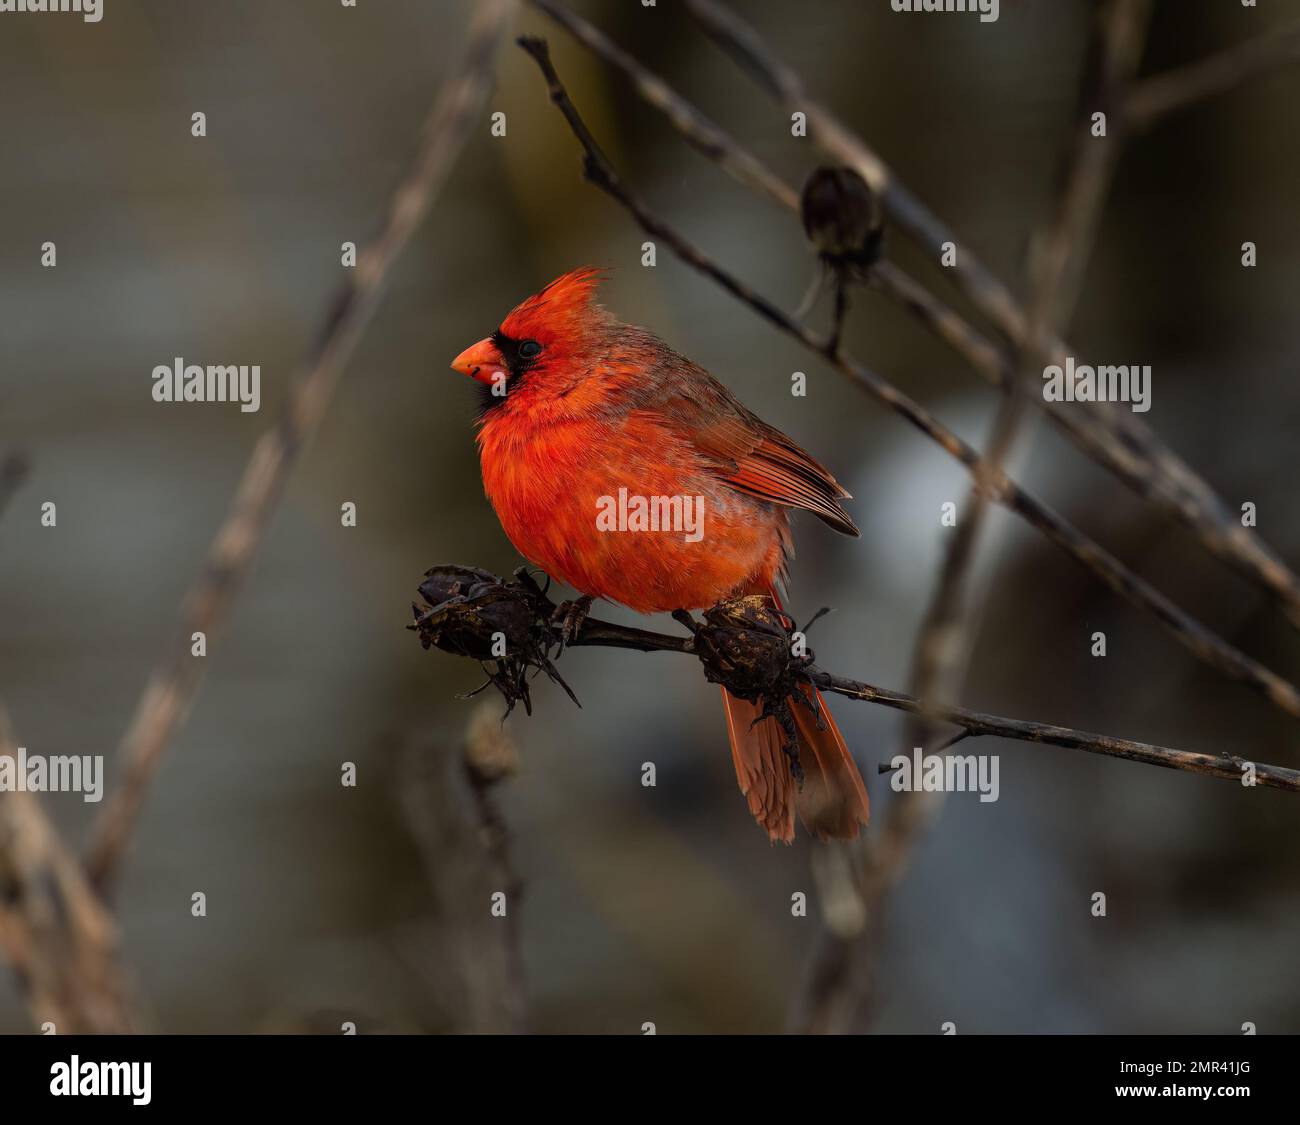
(174, 685)
(1200, 640)
(734, 643)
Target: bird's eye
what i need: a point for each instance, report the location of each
(530, 349)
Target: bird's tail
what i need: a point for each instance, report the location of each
(832, 801)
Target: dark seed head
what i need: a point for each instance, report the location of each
(841, 216)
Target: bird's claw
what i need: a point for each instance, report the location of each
(569, 618)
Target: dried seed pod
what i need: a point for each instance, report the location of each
(745, 646)
(842, 217)
(449, 581)
(503, 625)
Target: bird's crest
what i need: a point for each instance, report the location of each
(569, 299)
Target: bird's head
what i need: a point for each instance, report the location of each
(547, 343)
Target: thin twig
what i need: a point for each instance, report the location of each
(54, 931)
(173, 686)
(1154, 99)
(700, 131)
(977, 723)
(1151, 466)
(1200, 640)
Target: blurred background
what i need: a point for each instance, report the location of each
(667, 904)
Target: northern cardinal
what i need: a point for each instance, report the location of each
(577, 407)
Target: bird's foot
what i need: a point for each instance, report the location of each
(569, 618)
(789, 738)
(791, 749)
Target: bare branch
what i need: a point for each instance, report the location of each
(1200, 640)
(173, 686)
(976, 723)
(702, 133)
(54, 931)
(1154, 99)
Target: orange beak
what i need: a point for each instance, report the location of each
(481, 361)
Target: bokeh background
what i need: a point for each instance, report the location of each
(665, 904)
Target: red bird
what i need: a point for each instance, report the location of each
(579, 407)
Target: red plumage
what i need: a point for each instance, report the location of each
(578, 406)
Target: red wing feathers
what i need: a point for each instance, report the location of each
(751, 456)
(776, 469)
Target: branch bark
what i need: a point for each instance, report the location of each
(55, 932)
